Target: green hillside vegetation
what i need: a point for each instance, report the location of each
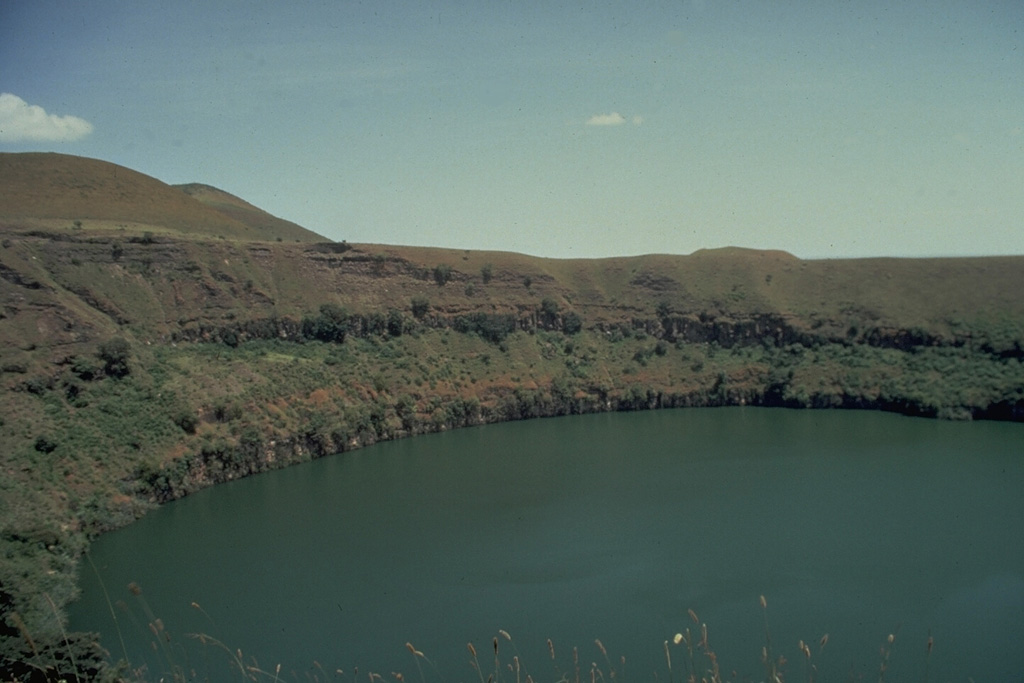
(155, 340)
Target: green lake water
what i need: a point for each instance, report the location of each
(611, 526)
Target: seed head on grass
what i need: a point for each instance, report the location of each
(475, 663)
(195, 605)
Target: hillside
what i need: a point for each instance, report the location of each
(155, 340)
(58, 191)
(264, 226)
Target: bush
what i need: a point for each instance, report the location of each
(487, 272)
(114, 353)
(84, 369)
(45, 444)
(493, 327)
(332, 325)
(572, 323)
(549, 309)
(187, 421)
(420, 307)
(36, 385)
(442, 274)
(395, 323)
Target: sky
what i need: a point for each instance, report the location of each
(826, 128)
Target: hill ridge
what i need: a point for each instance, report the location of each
(51, 189)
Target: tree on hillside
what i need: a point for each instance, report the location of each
(332, 325)
(442, 274)
(420, 306)
(549, 311)
(114, 353)
(572, 323)
(395, 323)
(487, 272)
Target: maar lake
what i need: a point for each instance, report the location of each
(611, 526)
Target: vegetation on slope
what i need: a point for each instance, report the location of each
(142, 361)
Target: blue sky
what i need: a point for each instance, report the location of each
(826, 128)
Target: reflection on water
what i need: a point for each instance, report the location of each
(611, 527)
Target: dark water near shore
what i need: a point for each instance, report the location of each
(855, 524)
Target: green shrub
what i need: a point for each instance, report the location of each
(115, 353)
(188, 421)
(85, 369)
(45, 444)
(420, 307)
(442, 274)
(572, 323)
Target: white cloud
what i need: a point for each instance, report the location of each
(20, 121)
(613, 119)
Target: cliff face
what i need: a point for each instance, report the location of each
(67, 283)
(720, 327)
(142, 360)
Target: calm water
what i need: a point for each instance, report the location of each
(605, 526)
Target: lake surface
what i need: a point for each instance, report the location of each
(611, 526)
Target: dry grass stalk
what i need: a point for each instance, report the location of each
(475, 663)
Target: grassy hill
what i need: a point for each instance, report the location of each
(156, 339)
(58, 191)
(263, 226)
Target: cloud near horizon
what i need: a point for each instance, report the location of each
(21, 121)
(612, 119)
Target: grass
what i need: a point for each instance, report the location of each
(689, 657)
